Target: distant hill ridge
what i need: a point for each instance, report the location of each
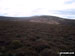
(41, 19)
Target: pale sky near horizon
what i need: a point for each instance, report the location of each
(21, 8)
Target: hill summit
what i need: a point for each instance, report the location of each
(41, 19)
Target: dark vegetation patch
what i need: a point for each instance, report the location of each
(19, 38)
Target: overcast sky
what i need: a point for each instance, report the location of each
(61, 8)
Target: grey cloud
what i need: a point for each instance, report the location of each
(67, 12)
